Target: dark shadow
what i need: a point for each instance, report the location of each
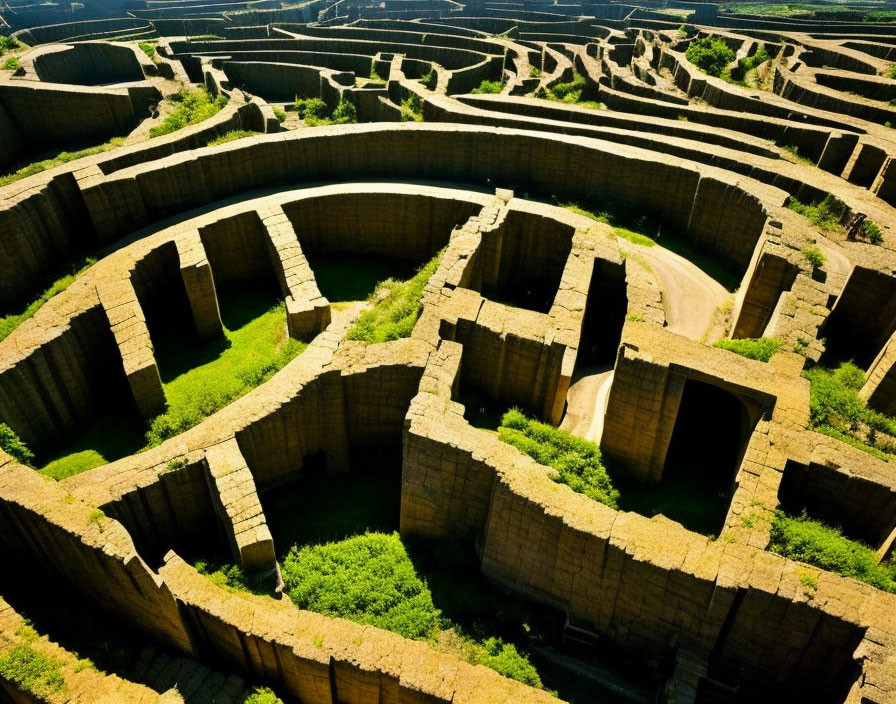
(480, 411)
(242, 305)
(353, 278)
(535, 294)
(605, 311)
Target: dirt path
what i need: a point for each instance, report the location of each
(586, 403)
(691, 297)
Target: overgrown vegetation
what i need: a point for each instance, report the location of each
(32, 671)
(231, 577)
(814, 256)
(760, 349)
(253, 350)
(569, 92)
(608, 219)
(488, 87)
(836, 409)
(11, 64)
(396, 307)
(315, 113)
(370, 579)
(279, 113)
(193, 107)
(577, 461)
(231, 136)
(12, 445)
(710, 54)
(9, 44)
(738, 74)
(872, 232)
(825, 214)
(807, 540)
(58, 160)
(262, 695)
(412, 109)
(430, 80)
(10, 322)
(148, 48)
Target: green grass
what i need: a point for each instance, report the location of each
(58, 160)
(412, 109)
(12, 64)
(262, 695)
(148, 48)
(710, 54)
(12, 445)
(279, 113)
(32, 671)
(488, 87)
(200, 380)
(738, 74)
(807, 540)
(231, 577)
(814, 256)
(607, 219)
(347, 278)
(106, 439)
(872, 232)
(761, 348)
(231, 136)
(315, 112)
(9, 44)
(10, 322)
(825, 214)
(569, 92)
(193, 107)
(578, 462)
(396, 307)
(836, 409)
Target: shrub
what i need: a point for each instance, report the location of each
(12, 445)
(262, 695)
(430, 80)
(368, 579)
(279, 113)
(814, 255)
(825, 215)
(194, 106)
(230, 137)
(231, 577)
(710, 54)
(872, 232)
(32, 671)
(8, 44)
(311, 108)
(506, 660)
(345, 113)
(11, 64)
(148, 49)
(569, 92)
(577, 461)
(745, 65)
(801, 538)
(489, 87)
(412, 109)
(761, 348)
(396, 308)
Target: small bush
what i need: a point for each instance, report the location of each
(872, 232)
(11, 64)
(412, 109)
(8, 44)
(396, 308)
(262, 695)
(231, 136)
(148, 49)
(194, 106)
(801, 538)
(710, 54)
(761, 348)
(368, 579)
(311, 108)
(569, 92)
(489, 87)
(815, 257)
(430, 80)
(12, 445)
(279, 113)
(825, 215)
(32, 671)
(506, 660)
(345, 113)
(231, 577)
(577, 461)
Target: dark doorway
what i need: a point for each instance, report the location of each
(605, 312)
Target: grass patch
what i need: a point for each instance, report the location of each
(13, 446)
(200, 380)
(872, 232)
(412, 109)
(231, 136)
(9, 44)
(106, 439)
(814, 256)
(807, 540)
(279, 113)
(836, 409)
(396, 307)
(262, 695)
(193, 107)
(761, 348)
(346, 278)
(488, 87)
(32, 671)
(148, 48)
(231, 577)
(58, 160)
(825, 214)
(607, 219)
(568, 92)
(12, 64)
(315, 112)
(578, 462)
(710, 54)
(738, 74)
